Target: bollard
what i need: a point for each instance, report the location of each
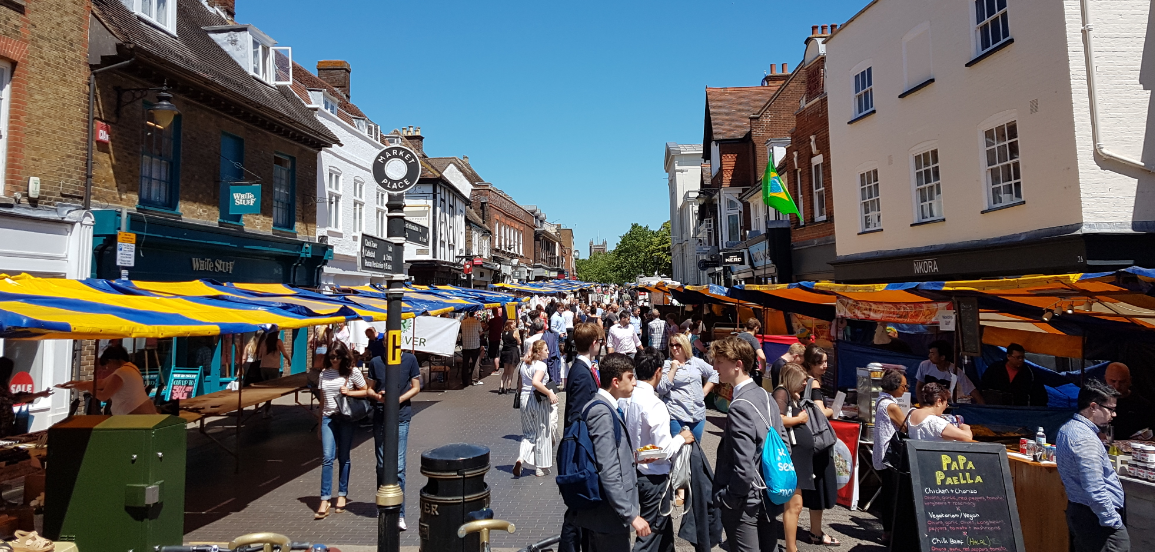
(455, 488)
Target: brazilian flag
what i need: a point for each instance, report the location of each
(774, 193)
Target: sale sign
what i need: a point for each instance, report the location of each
(21, 382)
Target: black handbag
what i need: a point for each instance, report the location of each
(894, 447)
(517, 399)
(817, 423)
(352, 408)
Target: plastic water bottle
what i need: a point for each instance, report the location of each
(1041, 438)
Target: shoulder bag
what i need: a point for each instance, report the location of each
(352, 408)
(817, 423)
(894, 447)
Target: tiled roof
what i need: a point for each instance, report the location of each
(728, 110)
(473, 217)
(442, 163)
(193, 56)
(309, 80)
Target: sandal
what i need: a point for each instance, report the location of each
(29, 541)
(824, 540)
(322, 514)
(340, 506)
(517, 469)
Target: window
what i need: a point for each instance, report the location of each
(819, 185)
(330, 104)
(158, 12)
(284, 192)
(991, 23)
(798, 194)
(358, 205)
(1002, 157)
(927, 188)
(333, 189)
(731, 213)
(382, 219)
(863, 92)
(5, 73)
(869, 204)
(159, 163)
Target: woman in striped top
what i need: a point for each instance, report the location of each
(339, 378)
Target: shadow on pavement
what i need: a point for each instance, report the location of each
(274, 450)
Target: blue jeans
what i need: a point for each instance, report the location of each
(697, 428)
(336, 440)
(402, 445)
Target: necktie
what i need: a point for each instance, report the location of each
(621, 413)
(597, 380)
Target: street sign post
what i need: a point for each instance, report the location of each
(125, 249)
(396, 170)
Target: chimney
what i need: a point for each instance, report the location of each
(229, 7)
(784, 70)
(833, 27)
(466, 159)
(335, 72)
(814, 30)
(773, 69)
(824, 29)
(416, 139)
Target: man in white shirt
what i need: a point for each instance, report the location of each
(567, 315)
(939, 369)
(470, 348)
(648, 423)
(622, 339)
(536, 329)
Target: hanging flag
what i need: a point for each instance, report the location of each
(774, 193)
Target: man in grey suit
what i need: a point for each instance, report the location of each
(747, 515)
(608, 524)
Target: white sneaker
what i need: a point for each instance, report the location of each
(401, 523)
(478, 382)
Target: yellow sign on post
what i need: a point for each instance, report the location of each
(393, 347)
(125, 237)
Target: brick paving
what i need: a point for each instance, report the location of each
(278, 484)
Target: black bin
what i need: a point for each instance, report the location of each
(455, 488)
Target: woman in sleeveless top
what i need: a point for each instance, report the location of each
(510, 347)
(788, 395)
(271, 355)
(124, 386)
(825, 493)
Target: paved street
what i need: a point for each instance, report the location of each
(279, 481)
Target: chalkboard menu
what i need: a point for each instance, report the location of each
(183, 384)
(968, 326)
(963, 498)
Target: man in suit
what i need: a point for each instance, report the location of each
(580, 387)
(747, 515)
(608, 524)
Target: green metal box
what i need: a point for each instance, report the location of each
(116, 483)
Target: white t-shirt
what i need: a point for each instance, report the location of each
(131, 393)
(930, 429)
(962, 386)
(331, 383)
(568, 316)
(527, 373)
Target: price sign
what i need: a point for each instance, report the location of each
(183, 384)
(21, 383)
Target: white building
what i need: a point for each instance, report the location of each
(965, 142)
(349, 203)
(438, 201)
(683, 164)
(47, 243)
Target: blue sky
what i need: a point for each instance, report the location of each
(566, 105)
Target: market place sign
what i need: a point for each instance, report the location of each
(245, 200)
(377, 256)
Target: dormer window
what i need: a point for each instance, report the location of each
(253, 50)
(329, 103)
(161, 13)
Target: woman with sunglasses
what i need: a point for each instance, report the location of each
(685, 382)
(339, 378)
(888, 419)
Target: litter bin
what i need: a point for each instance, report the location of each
(455, 488)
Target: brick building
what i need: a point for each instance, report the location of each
(806, 167)
(567, 252)
(512, 227)
(730, 151)
(43, 129)
(478, 243)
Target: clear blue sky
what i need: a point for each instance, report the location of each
(566, 105)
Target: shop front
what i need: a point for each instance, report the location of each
(170, 250)
(47, 243)
(434, 272)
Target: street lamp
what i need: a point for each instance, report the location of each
(163, 111)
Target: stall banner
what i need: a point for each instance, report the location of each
(898, 313)
(846, 462)
(429, 334)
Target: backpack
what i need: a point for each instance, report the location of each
(817, 423)
(577, 468)
(778, 476)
